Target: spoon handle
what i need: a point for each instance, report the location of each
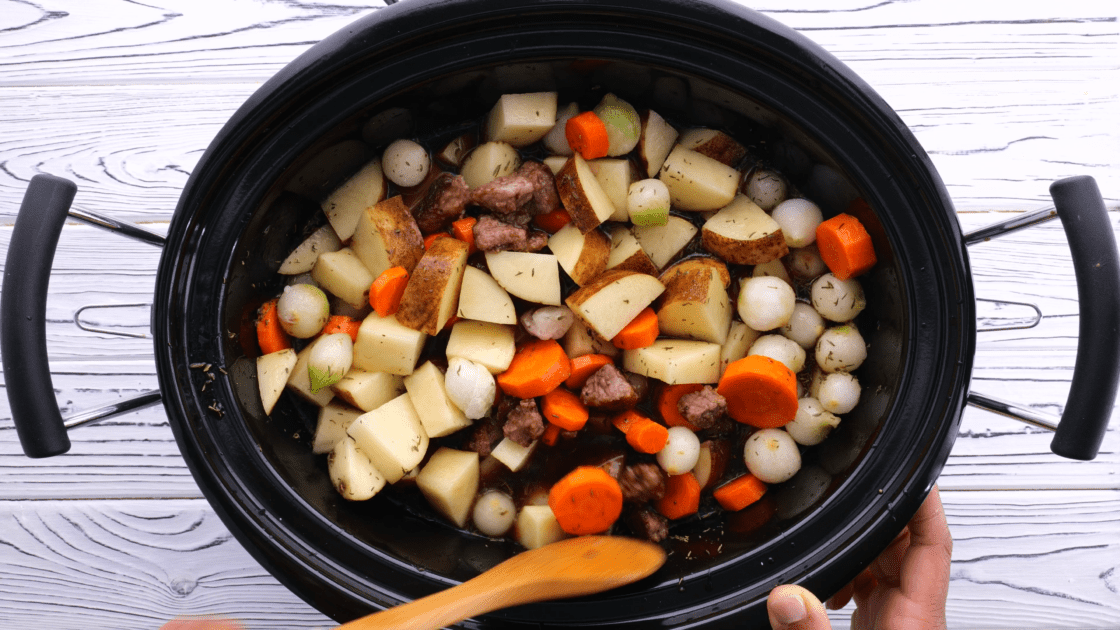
(435, 611)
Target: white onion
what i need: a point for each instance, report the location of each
(841, 349)
(838, 392)
(804, 326)
(647, 202)
(329, 360)
(494, 513)
(781, 349)
(556, 140)
(470, 386)
(799, 219)
(405, 163)
(838, 300)
(772, 455)
(765, 303)
(303, 310)
(812, 424)
(774, 269)
(766, 188)
(681, 452)
(624, 127)
(806, 262)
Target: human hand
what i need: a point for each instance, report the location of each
(905, 588)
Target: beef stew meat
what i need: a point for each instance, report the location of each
(593, 309)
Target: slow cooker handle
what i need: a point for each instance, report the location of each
(1096, 372)
(23, 308)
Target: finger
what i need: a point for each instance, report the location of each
(792, 607)
(841, 598)
(925, 569)
(864, 585)
(887, 567)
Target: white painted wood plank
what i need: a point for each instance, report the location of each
(134, 564)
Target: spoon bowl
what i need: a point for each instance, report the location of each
(568, 568)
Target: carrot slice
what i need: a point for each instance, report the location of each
(760, 392)
(740, 492)
(564, 409)
(587, 135)
(386, 291)
(583, 367)
(551, 433)
(342, 324)
(667, 398)
(551, 222)
(647, 436)
(538, 367)
(682, 496)
(463, 229)
(845, 246)
(627, 419)
(270, 335)
(586, 501)
(641, 332)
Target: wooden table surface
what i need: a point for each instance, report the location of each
(123, 97)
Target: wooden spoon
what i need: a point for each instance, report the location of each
(568, 568)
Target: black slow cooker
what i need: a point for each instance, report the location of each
(712, 64)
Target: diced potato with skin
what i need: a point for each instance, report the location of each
(431, 296)
(384, 345)
(582, 256)
(663, 242)
(676, 361)
(343, 275)
(387, 236)
(491, 345)
(300, 382)
(627, 253)
(436, 412)
(615, 176)
(740, 338)
(273, 371)
(715, 144)
(449, 481)
(521, 119)
(489, 161)
(537, 526)
(579, 340)
(368, 390)
(392, 437)
(303, 257)
(481, 298)
(582, 195)
(742, 233)
(331, 426)
(613, 300)
(656, 141)
(555, 163)
(697, 182)
(695, 305)
(530, 276)
(512, 454)
(695, 262)
(344, 206)
(352, 473)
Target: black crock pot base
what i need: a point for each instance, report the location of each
(346, 559)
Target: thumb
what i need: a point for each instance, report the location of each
(792, 607)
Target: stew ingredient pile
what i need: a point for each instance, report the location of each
(642, 321)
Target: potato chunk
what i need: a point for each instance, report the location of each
(437, 413)
(491, 345)
(384, 345)
(676, 361)
(521, 119)
(663, 242)
(583, 256)
(449, 481)
(331, 426)
(529, 276)
(387, 236)
(613, 300)
(743, 233)
(582, 195)
(697, 182)
(481, 298)
(537, 526)
(273, 370)
(431, 296)
(392, 437)
(342, 274)
(368, 390)
(696, 306)
(351, 472)
(344, 206)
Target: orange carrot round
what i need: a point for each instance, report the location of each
(682, 496)
(740, 492)
(463, 229)
(564, 409)
(342, 324)
(845, 246)
(647, 436)
(587, 135)
(538, 367)
(760, 392)
(551, 222)
(667, 398)
(586, 501)
(270, 334)
(387, 289)
(583, 367)
(641, 332)
(551, 433)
